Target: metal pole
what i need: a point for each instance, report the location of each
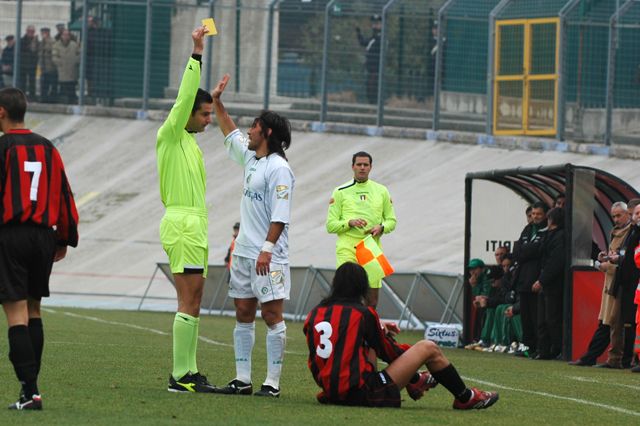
(383, 43)
(437, 78)
(237, 47)
(18, 43)
(209, 51)
(325, 63)
(491, 56)
(267, 76)
(84, 42)
(147, 58)
(568, 8)
(611, 68)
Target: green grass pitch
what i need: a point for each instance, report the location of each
(111, 368)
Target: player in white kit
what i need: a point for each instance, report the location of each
(260, 266)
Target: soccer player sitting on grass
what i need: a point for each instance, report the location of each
(342, 331)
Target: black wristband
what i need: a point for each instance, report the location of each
(197, 57)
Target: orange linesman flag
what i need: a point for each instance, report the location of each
(371, 258)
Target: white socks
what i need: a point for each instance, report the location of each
(276, 340)
(244, 336)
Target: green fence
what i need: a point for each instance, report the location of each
(420, 64)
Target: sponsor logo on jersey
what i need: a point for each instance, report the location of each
(282, 192)
(363, 197)
(253, 196)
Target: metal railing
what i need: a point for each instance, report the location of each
(410, 298)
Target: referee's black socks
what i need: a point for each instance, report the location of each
(23, 359)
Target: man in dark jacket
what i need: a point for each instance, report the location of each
(372, 56)
(625, 285)
(29, 49)
(550, 287)
(527, 253)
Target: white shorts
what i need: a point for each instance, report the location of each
(245, 283)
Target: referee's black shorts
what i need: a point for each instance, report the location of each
(26, 258)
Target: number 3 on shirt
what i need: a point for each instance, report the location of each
(34, 167)
(324, 349)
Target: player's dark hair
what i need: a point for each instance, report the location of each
(361, 154)
(202, 97)
(350, 284)
(540, 205)
(556, 215)
(280, 138)
(14, 102)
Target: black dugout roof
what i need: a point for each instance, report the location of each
(544, 183)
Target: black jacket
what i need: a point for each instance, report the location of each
(552, 266)
(627, 276)
(527, 253)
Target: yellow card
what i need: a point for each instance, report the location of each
(211, 26)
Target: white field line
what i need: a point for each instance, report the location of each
(553, 396)
(589, 380)
(151, 330)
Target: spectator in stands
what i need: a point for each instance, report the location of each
(6, 61)
(527, 254)
(559, 201)
(550, 287)
(48, 71)
(372, 56)
(59, 29)
(29, 49)
(609, 320)
(66, 57)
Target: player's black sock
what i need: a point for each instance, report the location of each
(36, 333)
(415, 378)
(450, 379)
(23, 359)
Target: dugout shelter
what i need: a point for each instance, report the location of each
(495, 203)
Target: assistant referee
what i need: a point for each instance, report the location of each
(357, 208)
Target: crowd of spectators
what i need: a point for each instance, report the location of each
(518, 302)
(48, 69)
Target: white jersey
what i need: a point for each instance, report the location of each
(267, 193)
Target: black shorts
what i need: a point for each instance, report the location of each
(378, 391)
(26, 258)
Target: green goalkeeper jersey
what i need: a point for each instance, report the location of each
(180, 163)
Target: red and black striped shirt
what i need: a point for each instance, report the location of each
(339, 337)
(34, 187)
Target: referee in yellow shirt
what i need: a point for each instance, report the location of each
(357, 208)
